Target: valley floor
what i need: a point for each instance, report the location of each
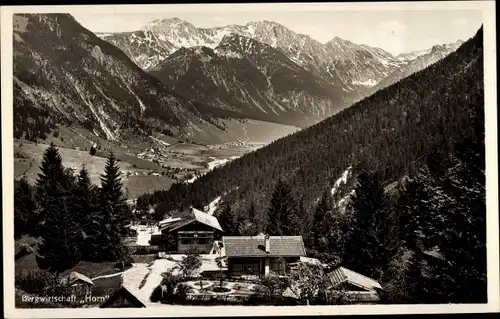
(152, 164)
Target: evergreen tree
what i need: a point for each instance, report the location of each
(365, 251)
(252, 212)
(24, 209)
(320, 229)
(228, 221)
(463, 240)
(85, 207)
(59, 228)
(415, 289)
(283, 219)
(247, 227)
(111, 194)
(113, 213)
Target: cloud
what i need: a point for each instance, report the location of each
(460, 22)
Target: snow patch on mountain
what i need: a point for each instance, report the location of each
(341, 180)
(369, 82)
(212, 206)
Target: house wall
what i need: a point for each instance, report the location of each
(194, 235)
(246, 266)
(81, 289)
(257, 265)
(280, 265)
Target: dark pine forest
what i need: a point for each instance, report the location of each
(390, 132)
(424, 137)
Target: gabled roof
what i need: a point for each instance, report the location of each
(254, 246)
(187, 217)
(76, 276)
(125, 293)
(341, 275)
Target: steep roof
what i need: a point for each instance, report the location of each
(189, 216)
(341, 275)
(254, 246)
(123, 292)
(75, 276)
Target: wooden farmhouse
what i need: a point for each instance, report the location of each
(81, 285)
(192, 229)
(262, 255)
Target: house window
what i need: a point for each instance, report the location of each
(248, 269)
(237, 268)
(186, 241)
(277, 266)
(251, 268)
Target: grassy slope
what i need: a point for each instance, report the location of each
(134, 185)
(74, 144)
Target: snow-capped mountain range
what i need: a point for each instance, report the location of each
(346, 65)
(418, 61)
(175, 78)
(251, 78)
(65, 70)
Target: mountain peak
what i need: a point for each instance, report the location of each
(167, 22)
(340, 41)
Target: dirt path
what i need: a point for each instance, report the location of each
(107, 276)
(133, 277)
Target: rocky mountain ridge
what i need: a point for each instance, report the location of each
(64, 70)
(346, 65)
(251, 78)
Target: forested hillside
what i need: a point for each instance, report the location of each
(64, 74)
(425, 245)
(391, 131)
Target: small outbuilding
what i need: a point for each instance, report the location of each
(123, 298)
(81, 285)
(352, 287)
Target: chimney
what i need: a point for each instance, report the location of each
(268, 245)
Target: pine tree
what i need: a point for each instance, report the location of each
(227, 220)
(464, 237)
(111, 194)
(283, 219)
(415, 282)
(113, 213)
(320, 229)
(49, 180)
(24, 209)
(59, 228)
(365, 251)
(85, 206)
(252, 212)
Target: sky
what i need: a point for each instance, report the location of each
(400, 31)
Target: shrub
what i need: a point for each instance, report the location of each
(156, 295)
(273, 287)
(24, 250)
(34, 281)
